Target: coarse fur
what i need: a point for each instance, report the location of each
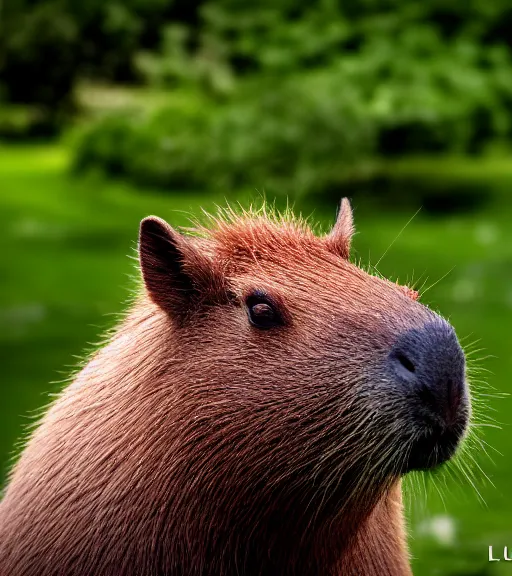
(196, 444)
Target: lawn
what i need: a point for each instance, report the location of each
(68, 268)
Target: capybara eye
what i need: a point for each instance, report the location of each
(262, 312)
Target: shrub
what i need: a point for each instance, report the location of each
(294, 137)
(303, 132)
(45, 45)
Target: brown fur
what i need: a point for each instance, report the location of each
(196, 444)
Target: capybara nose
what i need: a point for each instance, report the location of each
(429, 364)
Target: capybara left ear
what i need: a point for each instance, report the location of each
(340, 237)
(176, 274)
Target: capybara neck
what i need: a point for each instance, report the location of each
(150, 443)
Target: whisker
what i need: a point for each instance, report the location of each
(398, 236)
(437, 281)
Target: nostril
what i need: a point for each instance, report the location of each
(405, 362)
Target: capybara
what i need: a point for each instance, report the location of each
(252, 415)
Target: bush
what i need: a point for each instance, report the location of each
(39, 56)
(21, 122)
(294, 137)
(411, 61)
(46, 45)
(294, 133)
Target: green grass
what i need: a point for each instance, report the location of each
(66, 270)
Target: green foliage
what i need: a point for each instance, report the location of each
(294, 131)
(37, 62)
(19, 121)
(293, 95)
(207, 67)
(47, 45)
(295, 138)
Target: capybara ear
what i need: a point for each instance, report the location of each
(340, 237)
(176, 274)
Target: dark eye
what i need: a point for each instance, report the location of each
(262, 311)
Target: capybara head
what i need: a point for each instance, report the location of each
(319, 377)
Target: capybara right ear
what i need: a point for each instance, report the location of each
(175, 273)
(340, 237)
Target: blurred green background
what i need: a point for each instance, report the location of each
(113, 110)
